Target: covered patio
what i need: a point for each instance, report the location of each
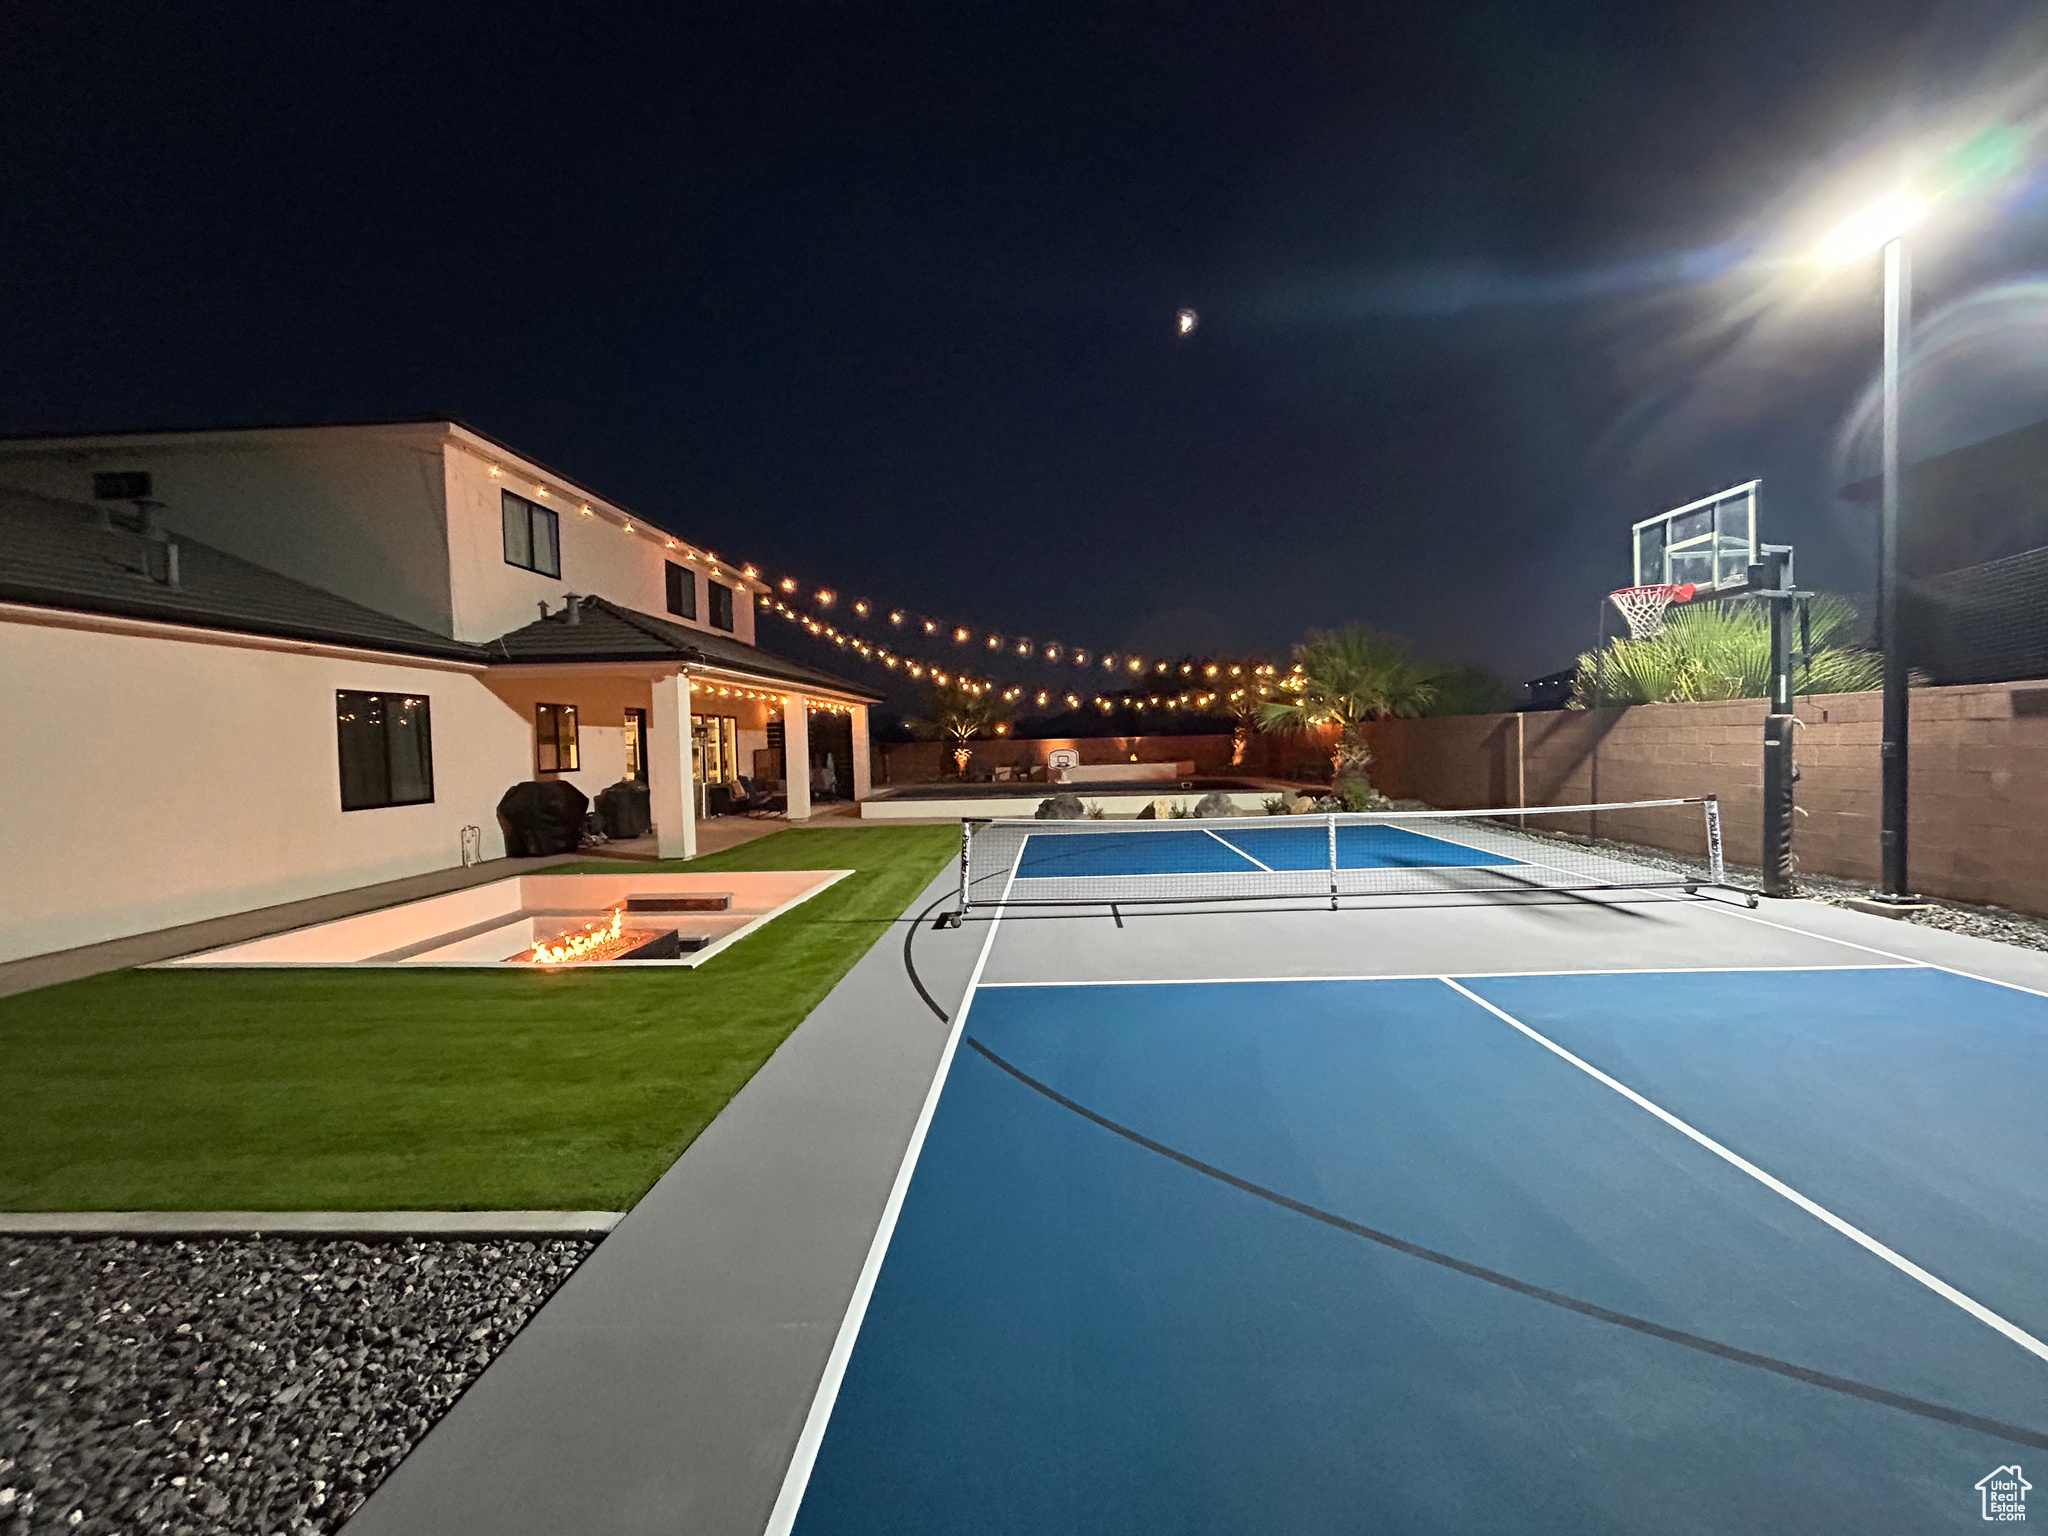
(711, 726)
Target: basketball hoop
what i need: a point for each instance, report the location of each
(1644, 607)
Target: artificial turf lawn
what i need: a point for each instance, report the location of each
(425, 1090)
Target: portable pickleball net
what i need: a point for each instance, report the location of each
(1512, 851)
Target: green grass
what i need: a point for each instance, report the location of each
(439, 1090)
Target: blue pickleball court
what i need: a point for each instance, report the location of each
(1422, 1253)
(1238, 849)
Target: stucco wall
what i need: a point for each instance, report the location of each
(1978, 818)
(602, 699)
(404, 519)
(598, 558)
(356, 511)
(154, 781)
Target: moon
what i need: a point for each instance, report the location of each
(1187, 320)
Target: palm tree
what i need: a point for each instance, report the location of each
(1723, 651)
(960, 711)
(1345, 677)
(1467, 691)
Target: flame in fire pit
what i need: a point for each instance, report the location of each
(594, 943)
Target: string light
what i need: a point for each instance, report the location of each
(1022, 647)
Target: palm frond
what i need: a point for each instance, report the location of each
(1723, 651)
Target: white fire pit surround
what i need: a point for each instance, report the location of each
(499, 924)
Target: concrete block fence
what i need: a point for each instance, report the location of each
(1979, 811)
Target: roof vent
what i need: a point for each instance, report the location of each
(152, 519)
(121, 485)
(572, 607)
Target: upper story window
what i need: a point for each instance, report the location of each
(682, 591)
(387, 749)
(554, 734)
(532, 536)
(721, 603)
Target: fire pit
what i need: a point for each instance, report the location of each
(547, 922)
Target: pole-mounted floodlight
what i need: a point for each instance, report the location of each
(1884, 225)
(1891, 217)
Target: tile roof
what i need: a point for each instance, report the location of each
(60, 554)
(604, 631)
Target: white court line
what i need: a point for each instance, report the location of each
(782, 1518)
(1872, 949)
(1653, 970)
(1226, 842)
(1898, 1261)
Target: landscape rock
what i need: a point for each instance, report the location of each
(1216, 803)
(1060, 807)
(238, 1385)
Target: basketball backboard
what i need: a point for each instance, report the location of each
(1710, 543)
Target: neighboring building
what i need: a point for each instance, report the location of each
(250, 666)
(1984, 501)
(1973, 549)
(1553, 690)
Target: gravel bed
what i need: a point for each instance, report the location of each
(259, 1385)
(1954, 916)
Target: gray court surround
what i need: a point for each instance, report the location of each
(665, 1387)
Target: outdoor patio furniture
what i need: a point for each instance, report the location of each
(542, 816)
(754, 797)
(623, 807)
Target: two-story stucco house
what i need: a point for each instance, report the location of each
(243, 667)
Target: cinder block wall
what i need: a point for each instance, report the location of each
(1978, 818)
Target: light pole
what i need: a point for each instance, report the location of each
(1884, 226)
(1898, 324)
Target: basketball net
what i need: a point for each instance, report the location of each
(1644, 607)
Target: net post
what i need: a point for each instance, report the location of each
(1717, 873)
(952, 919)
(1332, 822)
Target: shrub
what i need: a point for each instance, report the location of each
(1357, 794)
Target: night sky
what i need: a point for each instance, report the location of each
(884, 295)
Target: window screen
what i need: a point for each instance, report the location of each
(682, 591)
(554, 732)
(386, 748)
(721, 604)
(532, 535)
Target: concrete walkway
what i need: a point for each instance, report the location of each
(663, 1388)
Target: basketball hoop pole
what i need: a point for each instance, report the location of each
(1771, 579)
